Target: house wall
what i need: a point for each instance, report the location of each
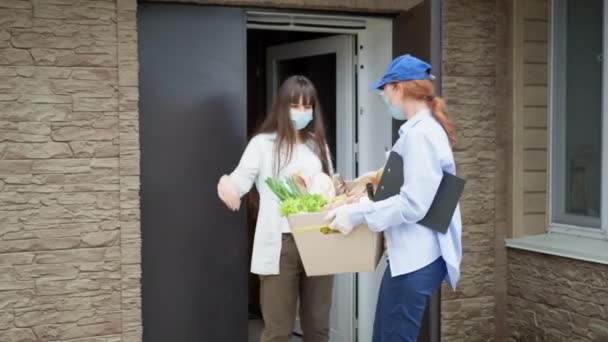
(549, 298)
(474, 86)
(69, 206)
(535, 110)
(530, 138)
(556, 299)
(69, 165)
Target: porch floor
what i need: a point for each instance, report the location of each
(255, 330)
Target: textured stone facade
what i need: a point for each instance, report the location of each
(69, 165)
(470, 31)
(556, 299)
(70, 161)
(69, 207)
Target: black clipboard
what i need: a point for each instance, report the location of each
(444, 204)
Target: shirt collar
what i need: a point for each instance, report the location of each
(419, 116)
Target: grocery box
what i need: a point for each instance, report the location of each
(324, 252)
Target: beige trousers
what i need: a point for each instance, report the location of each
(279, 297)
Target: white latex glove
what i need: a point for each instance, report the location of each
(347, 217)
(228, 193)
(340, 219)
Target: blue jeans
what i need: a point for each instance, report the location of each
(402, 301)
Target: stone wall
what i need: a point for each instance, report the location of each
(470, 45)
(556, 299)
(69, 232)
(549, 298)
(69, 165)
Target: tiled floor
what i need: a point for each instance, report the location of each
(255, 330)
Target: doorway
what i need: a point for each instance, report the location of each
(194, 254)
(328, 61)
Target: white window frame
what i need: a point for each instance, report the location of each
(586, 226)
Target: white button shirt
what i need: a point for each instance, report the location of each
(256, 165)
(426, 153)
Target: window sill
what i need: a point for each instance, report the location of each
(564, 245)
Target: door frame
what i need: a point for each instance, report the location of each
(342, 46)
(373, 50)
(343, 309)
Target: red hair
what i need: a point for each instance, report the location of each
(425, 91)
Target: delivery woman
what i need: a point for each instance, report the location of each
(291, 140)
(419, 258)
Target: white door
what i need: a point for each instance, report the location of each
(375, 127)
(340, 49)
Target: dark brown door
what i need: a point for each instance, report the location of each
(418, 32)
(193, 129)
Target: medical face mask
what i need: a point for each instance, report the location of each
(395, 112)
(300, 119)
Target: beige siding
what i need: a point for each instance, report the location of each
(536, 10)
(535, 160)
(530, 133)
(535, 181)
(535, 117)
(535, 223)
(535, 74)
(535, 138)
(535, 96)
(534, 202)
(535, 52)
(535, 30)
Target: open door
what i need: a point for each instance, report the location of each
(329, 64)
(192, 129)
(418, 32)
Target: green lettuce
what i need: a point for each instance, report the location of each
(293, 201)
(307, 203)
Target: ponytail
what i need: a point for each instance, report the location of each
(424, 90)
(439, 113)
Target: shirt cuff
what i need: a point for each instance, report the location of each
(358, 212)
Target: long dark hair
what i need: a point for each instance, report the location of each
(279, 121)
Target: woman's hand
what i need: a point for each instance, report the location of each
(347, 217)
(340, 219)
(228, 193)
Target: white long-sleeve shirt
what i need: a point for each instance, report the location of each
(256, 165)
(426, 153)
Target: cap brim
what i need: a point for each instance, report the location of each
(378, 85)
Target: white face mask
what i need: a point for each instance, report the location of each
(300, 119)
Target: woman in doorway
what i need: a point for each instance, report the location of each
(419, 258)
(291, 140)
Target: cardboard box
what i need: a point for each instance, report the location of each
(334, 253)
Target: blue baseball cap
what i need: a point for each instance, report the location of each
(404, 68)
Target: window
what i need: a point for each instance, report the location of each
(579, 104)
